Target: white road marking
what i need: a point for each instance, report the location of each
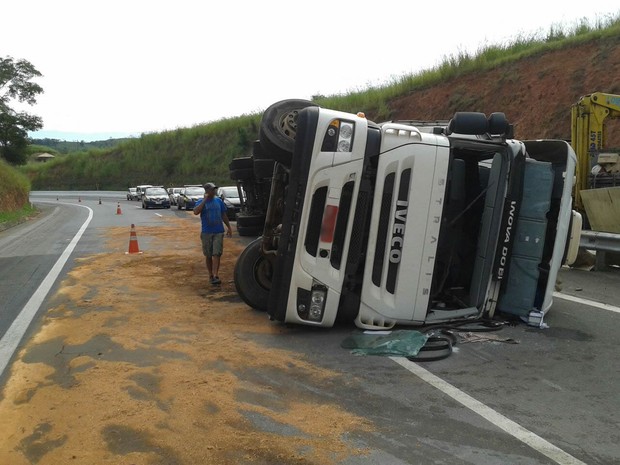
(11, 339)
(160, 215)
(590, 303)
(514, 429)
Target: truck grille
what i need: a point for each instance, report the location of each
(341, 224)
(313, 232)
(383, 232)
(384, 220)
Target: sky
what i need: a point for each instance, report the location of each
(117, 68)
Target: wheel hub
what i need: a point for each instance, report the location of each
(263, 272)
(288, 124)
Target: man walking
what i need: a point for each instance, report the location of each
(213, 217)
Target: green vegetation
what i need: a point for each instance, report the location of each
(11, 218)
(201, 153)
(16, 86)
(183, 156)
(14, 189)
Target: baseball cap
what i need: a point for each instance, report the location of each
(209, 185)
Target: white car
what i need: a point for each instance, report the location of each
(230, 196)
(173, 193)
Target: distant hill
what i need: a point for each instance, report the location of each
(67, 146)
(79, 136)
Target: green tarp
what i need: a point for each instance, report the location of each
(402, 343)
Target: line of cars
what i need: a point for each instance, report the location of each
(150, 196)
(185, 198)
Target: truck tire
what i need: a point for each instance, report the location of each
(278, 128)
(250, 231)
(252, 276)
(258, 152)
(250, 220)
(263, 168)
(241, 163)
(242, 173)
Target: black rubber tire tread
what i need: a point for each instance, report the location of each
(469, 122)
(241, 163)
(248, 288)
(436, 348)
(250, 220)
(263, 168)
(275, 139)
(259, 152)
(249, 231)
(242, 173)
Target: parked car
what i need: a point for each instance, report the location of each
(132, 193)
(140, 190)
(189, 196)
(173, 193)
(155, 197)
(230, 196)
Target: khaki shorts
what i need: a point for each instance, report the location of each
(212, 244)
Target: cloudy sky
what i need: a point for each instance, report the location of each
(120, 67)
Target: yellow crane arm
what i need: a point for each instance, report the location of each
(588, 117)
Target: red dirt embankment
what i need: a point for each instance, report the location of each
(535, 93)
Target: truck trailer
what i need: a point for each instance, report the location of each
(407, 222)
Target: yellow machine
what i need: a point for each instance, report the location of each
(588, 139)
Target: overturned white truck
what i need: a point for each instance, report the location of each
(407, 222)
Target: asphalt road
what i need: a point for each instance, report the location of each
(550, 398)
(29, 251)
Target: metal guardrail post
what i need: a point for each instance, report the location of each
(601, 242)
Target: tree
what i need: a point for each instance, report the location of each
(16, 85)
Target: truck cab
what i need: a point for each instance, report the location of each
(403, 224)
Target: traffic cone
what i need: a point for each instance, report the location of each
(118, 209)
(133, 241)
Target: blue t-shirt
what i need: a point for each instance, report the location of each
(211, 215)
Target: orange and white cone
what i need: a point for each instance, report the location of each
(133, 241)
(118, 209)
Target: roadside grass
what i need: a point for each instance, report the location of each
(14, 192)
(8, 219)
(14, 188)
(202, 153)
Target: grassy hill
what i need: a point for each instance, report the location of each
(534, 80)
(14, 191)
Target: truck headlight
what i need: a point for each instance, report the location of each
(339, 136)
(311, 304)
(318, 297)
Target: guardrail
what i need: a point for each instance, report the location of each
(602, 242)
